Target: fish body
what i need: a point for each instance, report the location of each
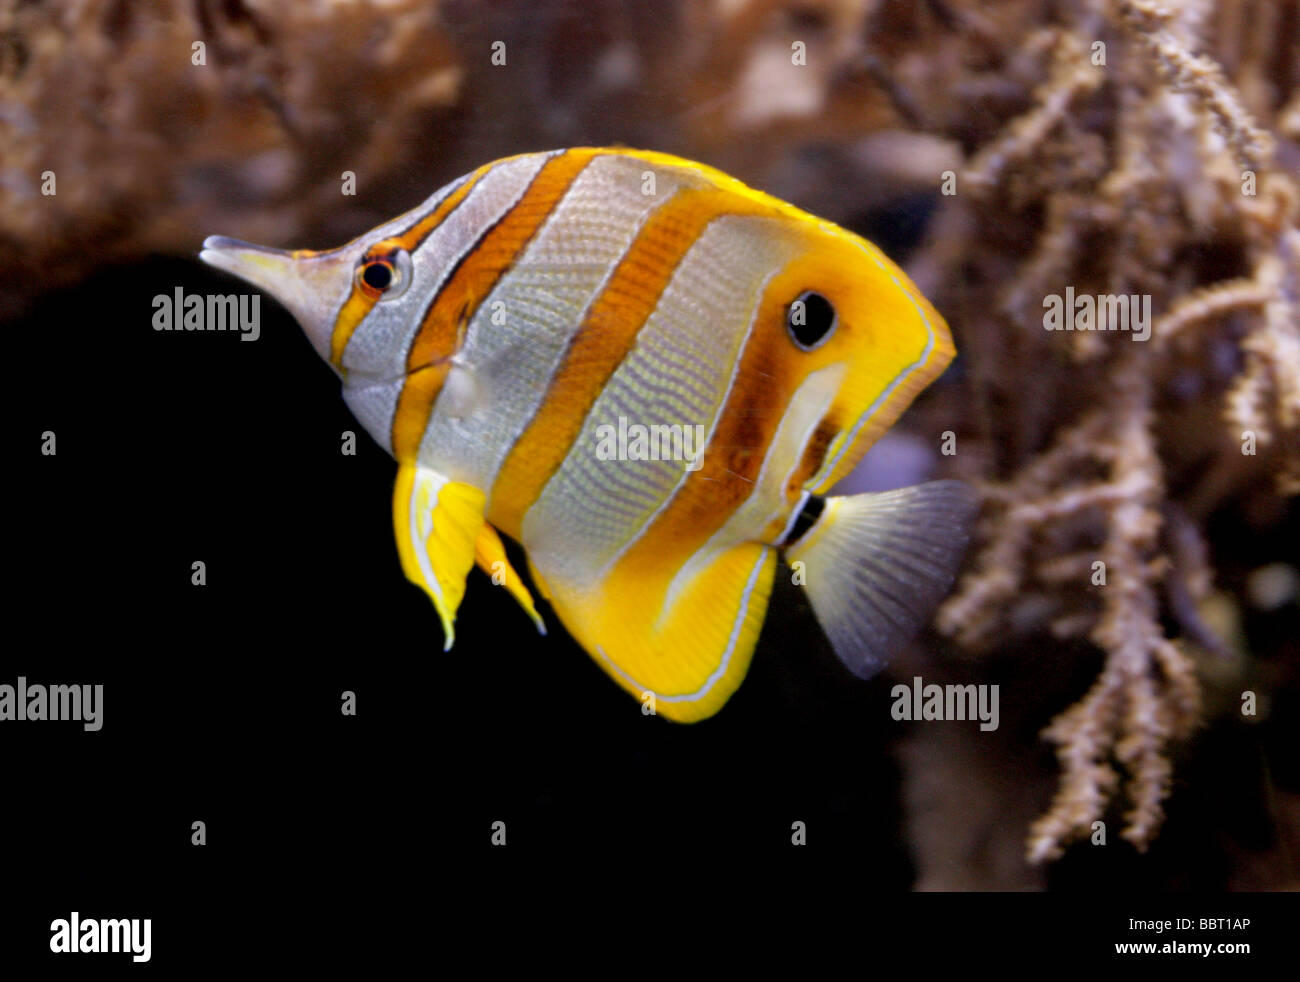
(648, 374)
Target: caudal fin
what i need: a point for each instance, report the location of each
(875, 566)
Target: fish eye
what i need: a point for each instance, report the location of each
(377, 275)
(810, 320)
(385, 275)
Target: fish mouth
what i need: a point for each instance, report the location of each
(260, 265)
(311, 285)
(226, 242)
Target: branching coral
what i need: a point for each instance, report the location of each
(160, 120)
(1147, 692)
(1184, 163)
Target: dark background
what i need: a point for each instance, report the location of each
(222, 702)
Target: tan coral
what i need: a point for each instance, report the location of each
(164, 121)
(1183, 155)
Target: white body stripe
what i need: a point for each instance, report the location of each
(373, 404)
(518, 337)
(379, 346)
(679, 373)
(792, 520)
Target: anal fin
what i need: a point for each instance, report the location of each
(438, 523)
(688, 658)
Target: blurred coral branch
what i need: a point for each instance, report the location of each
(1181, 162)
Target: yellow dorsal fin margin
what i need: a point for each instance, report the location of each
(437, 522)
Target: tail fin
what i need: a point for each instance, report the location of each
(875, 566)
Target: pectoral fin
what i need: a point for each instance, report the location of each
(491, 557)
(438, 523)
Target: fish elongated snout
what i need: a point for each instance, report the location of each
(311, 285)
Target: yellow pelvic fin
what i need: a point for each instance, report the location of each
(437, 522)
(692, 656)
(491, 557)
